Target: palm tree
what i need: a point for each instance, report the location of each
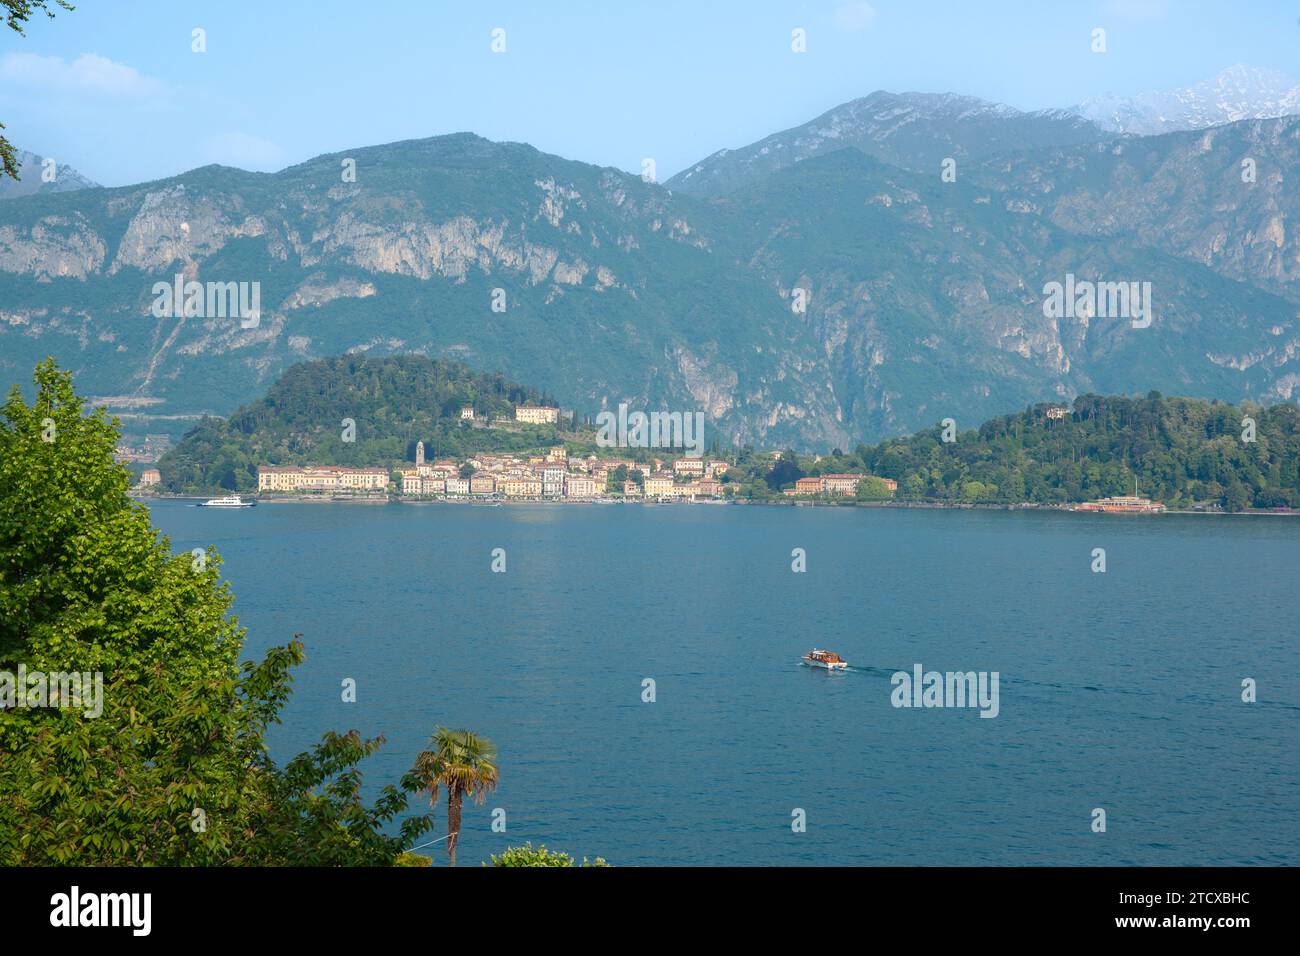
(463, 762)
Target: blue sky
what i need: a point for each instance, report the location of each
(114, 89)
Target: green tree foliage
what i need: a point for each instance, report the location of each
(1182, 451)
(173, 770)
(786, 471)
(528, 855)
(614, 481)
(394, 403)
(873, 488)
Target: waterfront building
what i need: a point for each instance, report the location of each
(659, 485)
(320, 478)
(689, 490)
(580, 486)
(482, 485)
(150, 476)
(520, 487)
(688, 466)
(841, 486)
(808, 486)
(552, 478)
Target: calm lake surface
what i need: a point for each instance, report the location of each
(1119, 690)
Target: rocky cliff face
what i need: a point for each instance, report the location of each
(1218, 197)
(928, 297)
(817, 303)
(598, 286)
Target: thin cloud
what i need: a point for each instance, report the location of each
(855, 16)
(88, 73)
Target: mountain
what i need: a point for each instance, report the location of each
(925, 298)
(31, 180)
(1237, 93)
(916, 131)
(393, 402)
(1187, 194)
(613, 293)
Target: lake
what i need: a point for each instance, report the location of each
(1119, 690)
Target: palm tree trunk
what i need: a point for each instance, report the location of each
(453, 822)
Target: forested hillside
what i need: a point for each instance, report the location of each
(393, 402)
(1182, 451)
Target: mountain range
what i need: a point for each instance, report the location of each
(30, 179)
(1237, 93)
(825, 286)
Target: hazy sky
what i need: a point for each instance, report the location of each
(115, 90)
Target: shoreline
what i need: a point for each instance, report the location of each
(902, 505)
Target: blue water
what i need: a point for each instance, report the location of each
(1119, 690)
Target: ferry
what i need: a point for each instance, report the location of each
(827, 659)
(1123, 504)
(230, 501)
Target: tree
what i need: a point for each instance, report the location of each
(18, 12)
(872, 488)
(616, 477)
(786, 471)
(162, 761)
(528, 855)
(1236, 498)
(464, 763)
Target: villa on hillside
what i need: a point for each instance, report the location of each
(536, 414)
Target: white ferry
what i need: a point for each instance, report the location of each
(230, 501)
(827, 659)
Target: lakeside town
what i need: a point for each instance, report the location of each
(557, 471)
(557, 474)
(552, 476)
